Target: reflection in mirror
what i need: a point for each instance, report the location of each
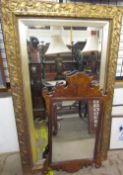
(50, 50)
(65, 45)
(76, 134)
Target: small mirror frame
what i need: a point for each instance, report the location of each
(11, 11)
(79, 87)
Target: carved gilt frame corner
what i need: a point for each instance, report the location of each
(11, 11)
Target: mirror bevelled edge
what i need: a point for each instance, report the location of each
(10, 12)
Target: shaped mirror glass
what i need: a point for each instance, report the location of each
(77, 126)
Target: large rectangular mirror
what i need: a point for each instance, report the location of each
(52, 48)
(46, 41)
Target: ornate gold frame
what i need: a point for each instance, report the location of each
(13, 9)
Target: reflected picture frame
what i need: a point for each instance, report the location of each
(11, 12)
(116, 140)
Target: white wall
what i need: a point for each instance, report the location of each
(117, 100)
(8, 132)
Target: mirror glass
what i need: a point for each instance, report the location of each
(50, 49)
(77, 123)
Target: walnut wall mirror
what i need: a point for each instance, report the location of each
(29, 24)
(75, 114)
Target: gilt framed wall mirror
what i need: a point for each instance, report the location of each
(44, 43)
